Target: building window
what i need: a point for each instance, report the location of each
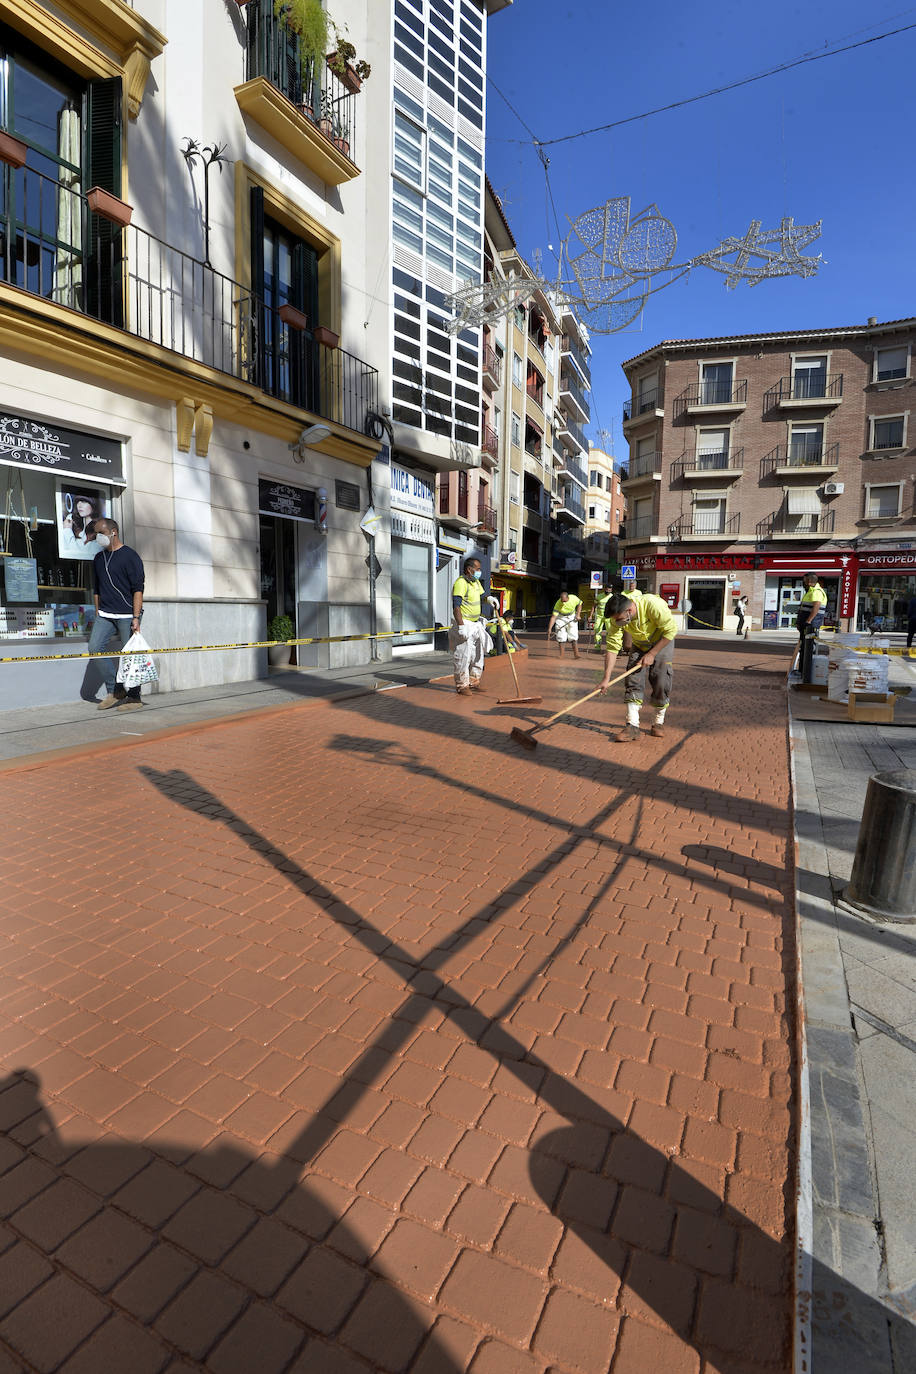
(888, 432)
(712, 449)
(716, 383)
(515, 487)
(809, 377)
(516, 371)
(806, 445)
(708, 514)
(284, 271)
(882, 503)
(516, 430)
(647, 393)
(591, 512)
(409, 151)
(891, 363)
(594, 479)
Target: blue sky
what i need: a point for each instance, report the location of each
(830, 140)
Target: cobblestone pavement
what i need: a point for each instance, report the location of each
(356, 1037)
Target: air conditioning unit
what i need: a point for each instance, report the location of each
(834, 488)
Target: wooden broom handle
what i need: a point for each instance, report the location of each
(582, 700)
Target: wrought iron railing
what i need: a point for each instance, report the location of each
(804, 456)
(487, 519)
(642, 528)
(274, 51)
(641, 466)
(722, 460)
(715, 393)
(805, 385)
(493, 365)
(53, 246)
(490, 441)
(783, 523)
(708, 524)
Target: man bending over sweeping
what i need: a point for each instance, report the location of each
(643, 629)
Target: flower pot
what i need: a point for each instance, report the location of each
(326, 127)
(279, 655)
(109, 206)
(344, 145)
(12, 150)
(348, 77)
(326, 337)
(293, 317)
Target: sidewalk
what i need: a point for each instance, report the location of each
(859, 992)
(357, 1038)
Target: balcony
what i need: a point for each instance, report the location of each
(647, 467)
(489, 442)
(703, 397)
(648, 405)
(641, 529)
(571, 468)
(131, 282)
(572, 430)
(569, 348)
(304, 105)
(698, 467)
(534, 387)
(705, 525)
(569, 504)
(794, 460)
(805, 389)
(486, 521)
(492, 369)
(574, 397)
(784, 526)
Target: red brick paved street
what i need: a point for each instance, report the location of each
(355, 1037)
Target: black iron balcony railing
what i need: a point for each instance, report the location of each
(643, 528)
(708, 524)
(641, 466)
(275, 52)
(715, 393)
(641, 404)
(783, 523)
(53, 246)
(803, 456)
(569, 345)
(493, 365)
(805, 385)
(720, 460)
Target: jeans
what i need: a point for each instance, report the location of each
(102, 632)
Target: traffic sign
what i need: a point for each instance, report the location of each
(628, 572)
(596, 579)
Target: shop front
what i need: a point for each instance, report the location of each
(886, 585)
(784, 587)
(413, 559)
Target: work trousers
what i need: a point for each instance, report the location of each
(468, 643)
(659, 673)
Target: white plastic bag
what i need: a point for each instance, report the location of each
(135, 667)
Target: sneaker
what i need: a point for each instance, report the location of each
(130, 704)
(107, 702)
(463, 691)
(627, 735)
(658, 731)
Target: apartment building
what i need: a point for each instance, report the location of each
(442, 434)
(757, 458)
(574, 380)
(605, 511)
(186, 347)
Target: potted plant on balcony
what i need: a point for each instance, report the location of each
(109, 206)
(341, 63)
(326, 117)
(309, 21)
(326, 337)
(341, 137)
(280, 628)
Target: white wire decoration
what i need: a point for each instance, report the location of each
(610, 262)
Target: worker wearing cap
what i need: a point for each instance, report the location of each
(643, 628)
(468, 638)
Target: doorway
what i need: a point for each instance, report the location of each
(278, 566)
(706, 597)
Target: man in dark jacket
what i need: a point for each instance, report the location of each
(118, 600)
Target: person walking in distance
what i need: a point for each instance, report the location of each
(468, 630)
(644, 630)
(566, 613)
(118, 597)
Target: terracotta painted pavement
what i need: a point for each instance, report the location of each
(355, 1037)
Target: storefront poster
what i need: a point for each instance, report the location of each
(21, 579)
(26, 443)
(78, 508)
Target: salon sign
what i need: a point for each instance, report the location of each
(26, 443)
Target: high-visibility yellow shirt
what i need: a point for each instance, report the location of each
(567, 607)
(470, 592)
(653, 621)
(815, 595)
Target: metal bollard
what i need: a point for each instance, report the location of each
(883, 882)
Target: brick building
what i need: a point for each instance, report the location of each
(756, 458)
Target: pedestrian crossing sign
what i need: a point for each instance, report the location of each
(628, 572)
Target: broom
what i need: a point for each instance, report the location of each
(526, 737)
(518, 699)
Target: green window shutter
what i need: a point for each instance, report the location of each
(104, 106)
(102, 110)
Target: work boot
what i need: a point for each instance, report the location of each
(627, 735)
(463, 691)
(658, 731)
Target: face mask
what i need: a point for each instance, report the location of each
(103, 541)
(476, 575)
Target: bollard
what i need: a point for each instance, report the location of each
(883, 882)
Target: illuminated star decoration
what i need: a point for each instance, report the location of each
(613, 262)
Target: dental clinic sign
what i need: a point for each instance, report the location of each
(412, 493)
(26, 443)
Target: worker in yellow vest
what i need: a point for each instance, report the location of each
(602, 597)
(810, 616)
(468, 638)
(643, 628)
(566, 613)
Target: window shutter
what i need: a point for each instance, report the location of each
(258, 318)
(103, 104)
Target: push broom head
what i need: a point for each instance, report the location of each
(518, 701)
(523, 738)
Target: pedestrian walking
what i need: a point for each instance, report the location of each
(741, 612)
(810, 616)
(910, 622)
(468, 639)
(118, 597)
(566, 613)
(644, 630)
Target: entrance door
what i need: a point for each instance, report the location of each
(707, 602)
(278, 566)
